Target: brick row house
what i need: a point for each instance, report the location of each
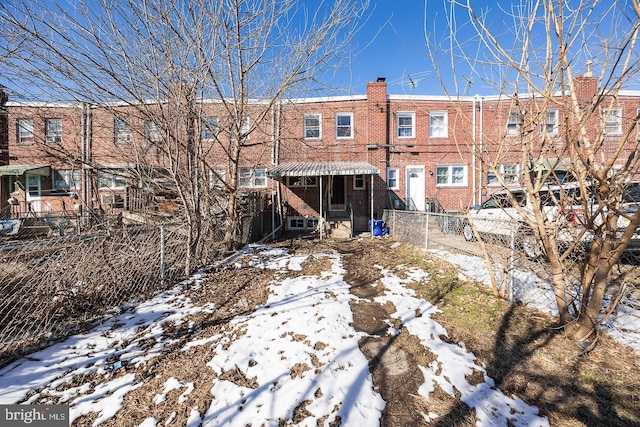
(342, 158)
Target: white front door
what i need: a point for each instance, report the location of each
(415, 188)
(34, 192)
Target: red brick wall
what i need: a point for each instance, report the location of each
(279, 138)
(38, 151)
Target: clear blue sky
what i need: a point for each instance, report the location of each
(392, 45)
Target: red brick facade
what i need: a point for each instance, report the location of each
(431, 151)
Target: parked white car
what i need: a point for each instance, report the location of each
(505, 214)
(498, 217)
(631, 198)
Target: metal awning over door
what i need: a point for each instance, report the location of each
(322, 169)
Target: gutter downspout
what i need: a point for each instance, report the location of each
(371, 222)
(481, 135)
(473, 151)
(274, 140)
(277, 162)
(321, 219)
(85, 165)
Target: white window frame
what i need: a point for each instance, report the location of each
(508, 171)
(114, 180)
(66, 179)
(152, 131)
(438, 124)
(359, 182)
(348, 127)
(121, 130)
(217, 179)
(302, 181)
(312, 129)
(53, 130)
(252, 177)
(209, 128)
(302, 223)
(393, 175)
(245, 127)
(550, 126)
(25, 130)
(406, 128)
(514, 122)
(612, 121)
(455, 175)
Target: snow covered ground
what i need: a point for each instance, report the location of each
(314, 307)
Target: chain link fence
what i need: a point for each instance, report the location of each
(519, 268)
(56, 287)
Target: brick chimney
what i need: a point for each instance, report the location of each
(586, 85)
(377, 112)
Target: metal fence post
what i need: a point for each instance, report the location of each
(162, 250)
(426, 231)
(393, 228)
(512, 257)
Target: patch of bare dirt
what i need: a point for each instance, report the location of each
(394, 370)
(369, 317)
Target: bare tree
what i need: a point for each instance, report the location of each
(529, 55)
(171, 65)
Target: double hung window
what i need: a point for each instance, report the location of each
(66, 179)
(613, 121)
(152, 130)
(393, 182)
(53, 130)
(25, 130)
(438, 126)
(111, 180)
(344, 125)
(513, 122)
(312, 126)
(121, 130)
(358, 182)
(551, 122)
(208, 128)
(406, 125)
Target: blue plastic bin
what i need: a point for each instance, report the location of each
(378, 227)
